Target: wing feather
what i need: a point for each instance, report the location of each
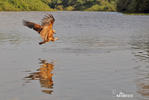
(47, 20)
(32, 25)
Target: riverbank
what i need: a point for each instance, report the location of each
(46, 5)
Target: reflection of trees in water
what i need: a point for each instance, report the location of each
(141, 51)
(44, 75)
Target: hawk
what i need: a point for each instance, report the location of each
(45, 29)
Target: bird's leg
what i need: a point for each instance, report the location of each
(56, 38)
(54, 31)
(53, 39)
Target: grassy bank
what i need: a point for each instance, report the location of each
(23, 5)
(125, 6)
(53, 5)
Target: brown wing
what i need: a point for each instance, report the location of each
(32, 25)
(47, 20)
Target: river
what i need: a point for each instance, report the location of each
(99, 56)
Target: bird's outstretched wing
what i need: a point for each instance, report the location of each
(47, 20)
(32, 25)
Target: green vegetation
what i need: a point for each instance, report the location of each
(127, 6)
(52, 5)
(87, 5)
(23, 5)
(133, 6)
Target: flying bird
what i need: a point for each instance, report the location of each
(45, 29)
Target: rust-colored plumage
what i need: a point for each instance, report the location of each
(45, 29)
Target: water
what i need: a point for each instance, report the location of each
(99, 56)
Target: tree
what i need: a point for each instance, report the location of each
(133, 6)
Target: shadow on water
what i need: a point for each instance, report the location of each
(44, 75)
(141, 51)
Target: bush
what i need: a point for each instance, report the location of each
(69, 8)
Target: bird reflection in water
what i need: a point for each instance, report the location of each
(143, 89)
(44, 75)
(141, 52)
(142, 83)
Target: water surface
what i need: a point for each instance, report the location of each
(99, 55)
